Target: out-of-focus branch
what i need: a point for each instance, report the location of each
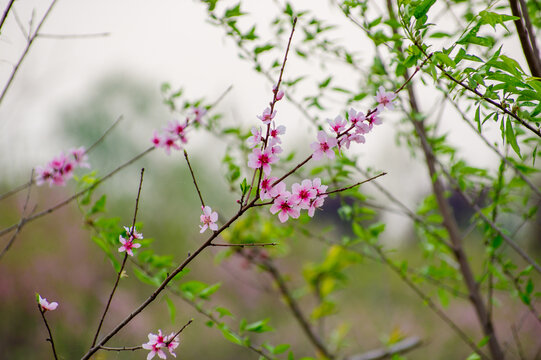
(384, 353)
(27, 48)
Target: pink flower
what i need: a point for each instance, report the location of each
(266, 187)
(275, 132)
(279, 93)
(44, 174)
(302, 194)
(155, 344)
(357, 119)
(348, 138)
(172, 343)
(80, 157)
(338, 124)
(319, 200)
(285, 207)
(178, 129)
(132, 233)
(267, 117)
(198, 113)
(317, 203)
(324, 146)
(258, 159)
(45, 305)
(208, 219)
(169, 141)
(255, 139)
(384, 98)
(279, 190)
(127, 245)
(374, 119)
(157, 139)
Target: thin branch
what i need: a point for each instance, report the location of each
(27, 48)
(245, 245)
(113, 125)
(517, 341)
(178, 332)
(6, 12)
(481, 96)
(119, 275)
(295, 308)
(193, 178)
(220, 98)
(125, 348)
(19, 226)
(76, 195)
(74, 36)
(388, 352)
(50, 339)
(354, 185)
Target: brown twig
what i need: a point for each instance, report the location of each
(19, 226)
(124, 348)
(354, 185)
(295, 308)
(50, 339)
(526, 40)
(245, 245)
(193, 178)
(119, 275)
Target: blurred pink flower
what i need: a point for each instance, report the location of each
(45, 305)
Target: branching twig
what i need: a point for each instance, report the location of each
(27, 48)
(19, 226)
(119, 275)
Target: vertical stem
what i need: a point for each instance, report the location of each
(50, 339)
(526, 40)
(450, 224)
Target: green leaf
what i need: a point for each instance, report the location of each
(206, 292)
(259, 326)
(172, 308)
(423, 8)
(223, 312)
(474, 356)
(510, 135)
(259, 49)
(144, 278)
(98, 207)
(234, 11)
(230, 335)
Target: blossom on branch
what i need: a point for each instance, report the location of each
(285, 207)
(262, 159)
(267, 117)
(157, 343)
(385, 98)
(60, 168)
(208, 219)
(323, 146)
(129, 244)
(45, 305)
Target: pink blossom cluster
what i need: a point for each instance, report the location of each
(352, 129)
(174, 135)
(308, 195)
(128, 244)
(60, 168)
(158, 343)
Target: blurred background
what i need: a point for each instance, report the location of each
(99, 60)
